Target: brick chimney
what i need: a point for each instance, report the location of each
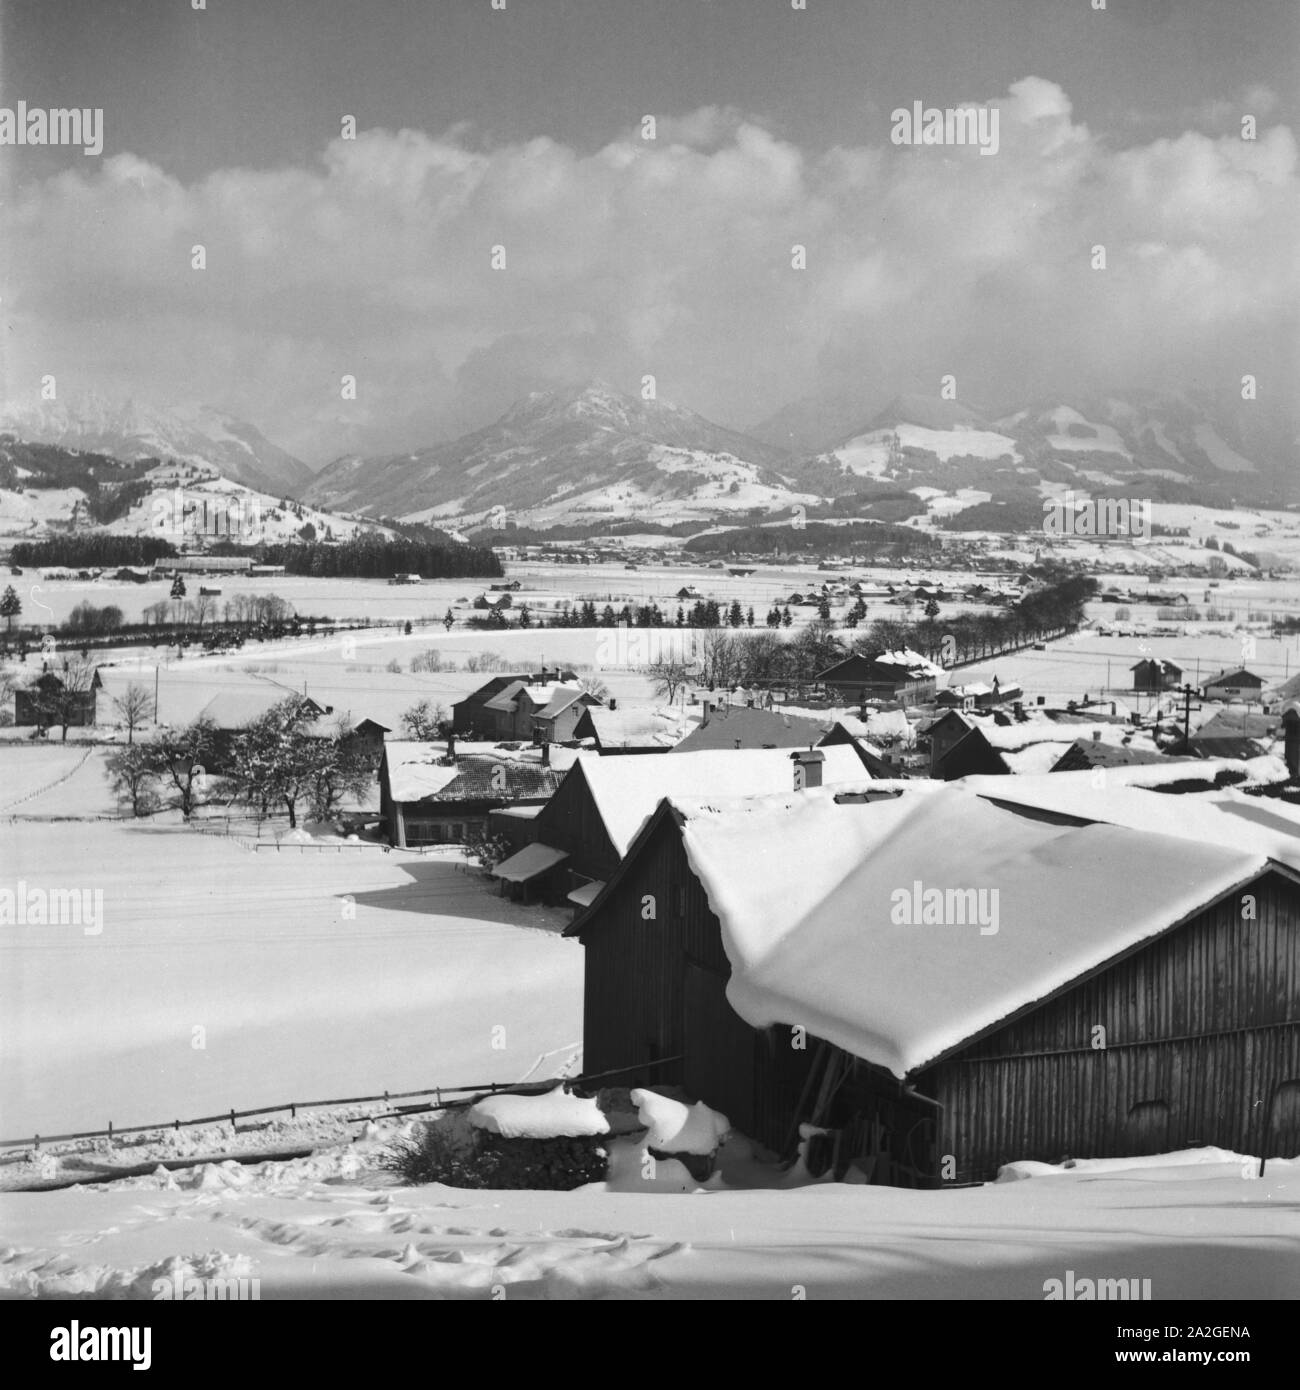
(613, 703)
(451, 745)
(546, 755)
(807, 767)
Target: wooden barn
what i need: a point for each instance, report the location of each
(1080, 990)
(1152, 673)
(603, 802)
(904, 676)
(942, 735)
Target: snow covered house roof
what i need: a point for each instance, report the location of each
(1222, 816)
(629, 728)
(627, 790)
(547, 700)
(530, 861)
(235, 709)
(1095, 752)
(418, 772)
(825, 912)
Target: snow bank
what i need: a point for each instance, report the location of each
(555, 1115)
(675, 1127)
(1181, 1158)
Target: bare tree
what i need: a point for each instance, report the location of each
(669, 673)
(62, 700)
(181, 756)
(133, 772)
(340, 767)
(423, 721)
(134, 707)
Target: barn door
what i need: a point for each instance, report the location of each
(1283, 1138)
(1147, 1129)
(719, 1048)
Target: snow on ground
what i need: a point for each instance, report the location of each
(224, 977)
(1102, 439)
(1193, 1229)
(48, 777)
(1085, 663)
(870, 453)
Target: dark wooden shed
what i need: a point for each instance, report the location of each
(1191, 1037)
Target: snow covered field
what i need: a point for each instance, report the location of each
(1068, 669)
(1198, 1229)
(223, 978)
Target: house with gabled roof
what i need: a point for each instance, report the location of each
(472, 717)
(1152, 673)
(602, 803)
(1233, 683)
(429, 797)
(902, 675)
(744, 726)
(616, 732)
(875, 970)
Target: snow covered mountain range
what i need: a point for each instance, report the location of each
(592, 454)
(193, 434)
(584, 453)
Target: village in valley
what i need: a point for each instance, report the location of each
(610, 883)
(650, 653)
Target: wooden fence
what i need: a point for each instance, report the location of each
(387, 1098)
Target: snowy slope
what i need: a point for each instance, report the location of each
(191, 433)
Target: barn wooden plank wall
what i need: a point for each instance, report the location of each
(570, 822)
(1201, 1036)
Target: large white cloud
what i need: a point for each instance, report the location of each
(671, 257)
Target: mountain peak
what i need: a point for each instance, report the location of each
(127, 429)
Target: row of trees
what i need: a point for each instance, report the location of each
(93, 550)
(372, 557)
(277, 762)
(726, 659)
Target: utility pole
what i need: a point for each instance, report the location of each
(1187, 715)
(155, 693)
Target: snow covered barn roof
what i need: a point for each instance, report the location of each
(627, 790)
(823, 909)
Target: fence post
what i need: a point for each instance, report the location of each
(232, 1119)
(110, 1131)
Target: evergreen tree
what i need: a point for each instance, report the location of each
(10, 607)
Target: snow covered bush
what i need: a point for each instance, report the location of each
(460, 1156)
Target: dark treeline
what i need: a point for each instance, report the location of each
(367, 557)
(93, 550)
(866, 540)
(513, 534)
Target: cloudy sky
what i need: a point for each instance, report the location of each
(522, 128)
